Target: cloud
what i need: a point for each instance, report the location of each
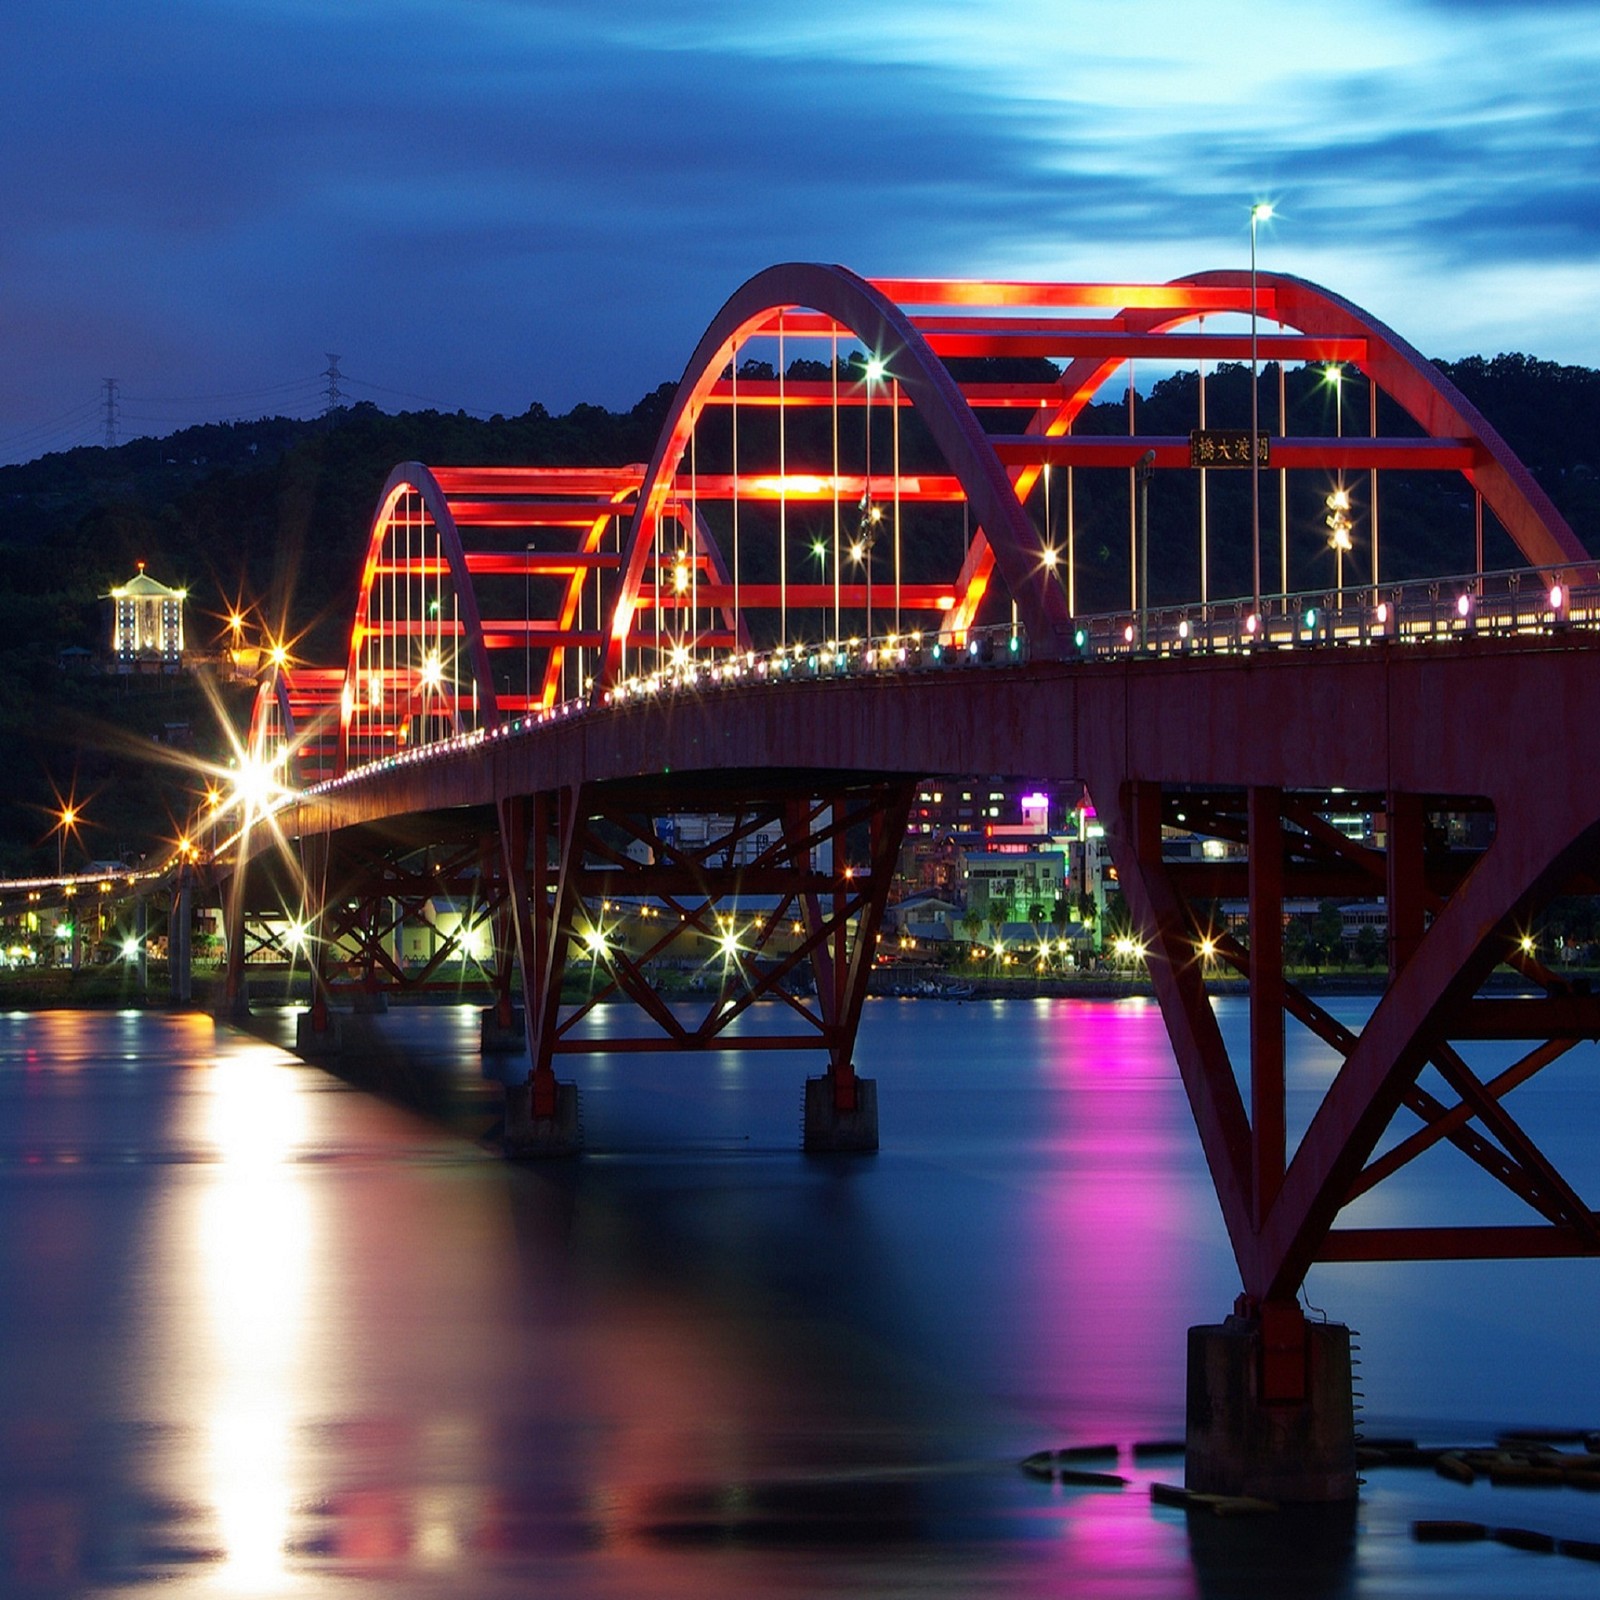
(521, 199)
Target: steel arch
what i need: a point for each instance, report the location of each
(412, 477)
(857, 306)
(1399, 370)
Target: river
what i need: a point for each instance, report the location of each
(263, 1332)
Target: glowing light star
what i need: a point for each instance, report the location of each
(432, 670)
(1051, 557)
(130, 948)
(255, 784)
(730, 942)
(876, 368)
(596, 941)
(1208, 948)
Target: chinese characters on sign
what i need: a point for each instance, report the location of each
(1227, 447)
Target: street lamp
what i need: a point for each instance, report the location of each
(870, 514)
(1339, 541)
(1144, 470)
(1260, 212)
(819, 548)
(1333, 376)
(861, 550)
(66, 820)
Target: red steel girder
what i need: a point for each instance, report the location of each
(810, 394)
(1183, 294)
(1004, 337)
(538, 480)
(1343, 455)
(1457, 1244)
(692, 888)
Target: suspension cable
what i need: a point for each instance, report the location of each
(1205, 563)
(694, 538)
(783, 499)
(735, 430)
(835, 373)
(895, 396)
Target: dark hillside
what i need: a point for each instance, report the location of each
(272, 514)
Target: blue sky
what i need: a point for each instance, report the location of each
(482, 203)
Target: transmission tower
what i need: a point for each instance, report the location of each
(333, 395)
(111, 413)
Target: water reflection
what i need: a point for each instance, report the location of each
(1121, 1217)
(262, 1334)
(255, 1242)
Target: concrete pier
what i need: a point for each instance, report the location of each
(528, 1136)
(498, 1037)
(310, 1043)
(828, 1130)
(180, 922)
(1270, 1410)
(234, 1011)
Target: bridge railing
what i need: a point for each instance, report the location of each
(1521, 601)
(1513, 601)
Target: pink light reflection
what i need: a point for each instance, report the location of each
(1130, 1223)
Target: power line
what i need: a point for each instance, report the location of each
(427, 400)
(111, 413)
(226, 394)
(54, 425)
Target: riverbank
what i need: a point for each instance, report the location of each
(117, 988)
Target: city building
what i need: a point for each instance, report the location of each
(1015, 885)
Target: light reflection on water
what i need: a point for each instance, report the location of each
(255, 1243)
(262, 1331)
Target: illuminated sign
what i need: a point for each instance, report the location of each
(1227, 447)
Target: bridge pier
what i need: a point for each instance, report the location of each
(141, 937)
(180, 927)
(1270, 1411)
(542, 1117)
(317, 1032)
(841, 1115)
(502, 1030)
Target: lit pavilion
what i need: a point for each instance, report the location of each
(146, 625)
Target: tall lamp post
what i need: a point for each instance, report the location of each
(870, 514)
(1259, 213)
(66, 820)
(819, 548)
(1144, 470)
(1339, 541)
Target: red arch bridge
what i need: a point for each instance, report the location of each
(852, 562)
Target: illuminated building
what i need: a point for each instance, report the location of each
(146, 625)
